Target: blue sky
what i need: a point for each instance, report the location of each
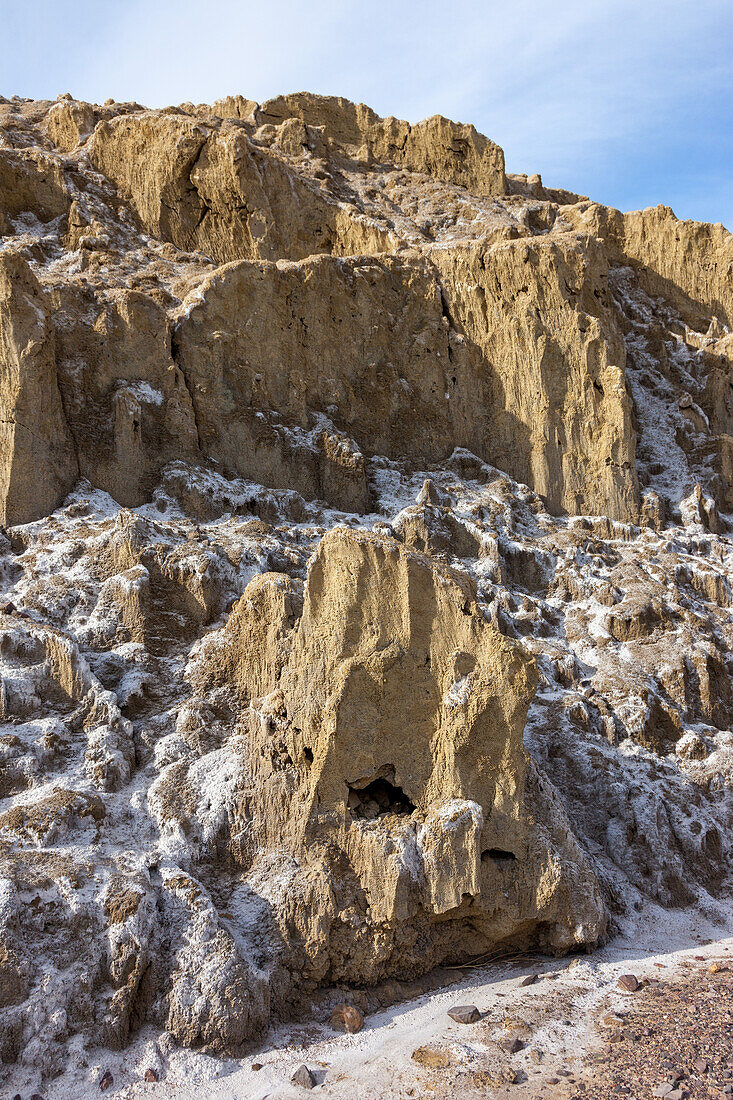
(628, 102)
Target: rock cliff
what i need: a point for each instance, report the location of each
(365, 561)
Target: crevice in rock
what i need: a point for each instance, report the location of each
(497, 855)
(174, 354)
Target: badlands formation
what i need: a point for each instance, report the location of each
(366, 565)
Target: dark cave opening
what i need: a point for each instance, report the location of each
(497, 856)
(378, 798)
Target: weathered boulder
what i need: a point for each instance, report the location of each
(69, 122)
(214, 997)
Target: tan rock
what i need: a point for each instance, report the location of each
(43, 822)
(31, 182)
(68, 123)
(386, 400)
(446, 150)
(688, 263)
(234, 106)
(39, 463)
(214, 996)
(425, 388)
(393, 733)
(331, 762)
(553, 409)
(430, 1058)
(204, 185)
(126, 401)
(255, 641)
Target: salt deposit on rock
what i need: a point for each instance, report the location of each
(366, 570)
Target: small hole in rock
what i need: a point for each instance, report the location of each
(378, 798)
(498, 855)
(308, 754)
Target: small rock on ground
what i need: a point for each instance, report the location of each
(629, 983)
(513, 1046)
(464, 1014)
(347, 1018)
(303, 1077)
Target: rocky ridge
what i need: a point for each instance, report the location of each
(365, 561)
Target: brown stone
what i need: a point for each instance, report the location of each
(348, 1018)
(628, 982)
(464, 1014)
(513, 1046)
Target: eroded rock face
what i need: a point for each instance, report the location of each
(389, 382)
(126, 402)
(385, 756)
(447, 150)
(492, 314)
(39, 464)
(207, 186)
(328, 729)
(688, 263)
(251, 745)
(536, 321)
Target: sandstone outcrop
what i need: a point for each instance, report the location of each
(209, 187)
(385, 754)
(437, 147)
(536, 321)
(126, 402)
(31, 182)
(365, 571)
(500, 295)
(39, 464)
(688, 263)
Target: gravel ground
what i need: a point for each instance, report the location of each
(675, 1039)
(671, 1037)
